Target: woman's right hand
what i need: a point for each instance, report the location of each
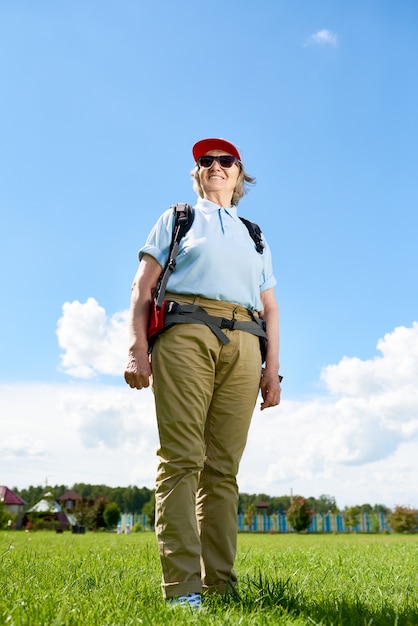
(138, 370)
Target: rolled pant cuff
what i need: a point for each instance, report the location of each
(221, 588)
(174, 590)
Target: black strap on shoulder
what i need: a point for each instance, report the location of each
(183, 219)
(184, 216)
(255, 233)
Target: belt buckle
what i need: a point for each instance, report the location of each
(229, 324)
(172, 307)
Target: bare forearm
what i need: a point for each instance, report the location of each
(270, 383)
(138, 369)
(142, 293)
(271, 317)
(138, 317)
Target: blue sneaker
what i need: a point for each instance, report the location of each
(192, 600)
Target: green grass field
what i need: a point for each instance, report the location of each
(107, 579)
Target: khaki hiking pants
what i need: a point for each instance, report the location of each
(205, 393)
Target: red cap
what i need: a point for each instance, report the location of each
(206, 145)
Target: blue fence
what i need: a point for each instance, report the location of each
(329, 523)
(129, 520)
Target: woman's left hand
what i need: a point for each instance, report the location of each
(270, 389)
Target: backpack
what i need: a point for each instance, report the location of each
(184, 216)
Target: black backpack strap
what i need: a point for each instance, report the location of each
(184, 215)
(255, 233)
(183, 219)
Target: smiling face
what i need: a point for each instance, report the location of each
(218, 183)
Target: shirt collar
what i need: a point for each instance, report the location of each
(206, 206)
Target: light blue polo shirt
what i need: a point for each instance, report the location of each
(217, 258)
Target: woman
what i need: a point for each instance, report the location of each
(205, 390)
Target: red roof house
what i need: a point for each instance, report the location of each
(69, 500)
(12, 503)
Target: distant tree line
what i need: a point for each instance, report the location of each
(129, 499)
(322, 505)
(133, 499)
(101, 506)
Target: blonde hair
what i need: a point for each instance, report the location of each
(241, 188)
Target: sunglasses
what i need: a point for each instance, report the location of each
(225, 161)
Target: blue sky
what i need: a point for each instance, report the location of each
(101, 102)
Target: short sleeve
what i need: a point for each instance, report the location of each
(268, 279)
(158, 242)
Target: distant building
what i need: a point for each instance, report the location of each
(13, 504)
(262, 508)
(69, 500)
(50, 512)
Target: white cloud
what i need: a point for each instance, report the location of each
(322, 37)
(76, 433)
(357, 441)
(396, 369)
(92, 342)
(110, 417)
(16, 446)
(357, 432)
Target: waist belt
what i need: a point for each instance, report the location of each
(194, 314)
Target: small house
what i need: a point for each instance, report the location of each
(49, 513)
(13, 504)
(262, 508)
(69, 500)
